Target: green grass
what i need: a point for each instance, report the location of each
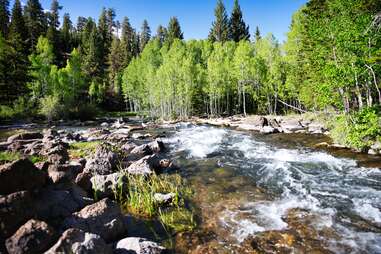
(139, 200)
(178, 219)
(82, 149)
(7, 156)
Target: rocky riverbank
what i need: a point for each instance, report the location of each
(70, 200)
(283, 124)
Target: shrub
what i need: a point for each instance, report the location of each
(358, 130)
(50, 107)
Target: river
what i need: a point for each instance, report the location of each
(248, 185)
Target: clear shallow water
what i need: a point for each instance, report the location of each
(330, 196)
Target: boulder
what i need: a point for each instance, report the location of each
(60, 173)
(25, 136)
(137, 245)
(33, 237)
(268, 130)
(59, 203)
(156, 146)
(291, 125)
(33, 148)
(58, 154)
(147, 165)
(106, 185)
(103, 162)
(128, 147)
(103, 218)
(83, 180)
(161, 198)
(15, 209)
(20, 175)
(77, 241)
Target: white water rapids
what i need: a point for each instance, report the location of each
(335, 190)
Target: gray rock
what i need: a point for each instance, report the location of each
(83, 180)
(20, 175)
(60, 173)
(15, 209)
(106, 185)
(103, 218)
(76, 241)
(145, 166)
(33, 237)
(137, 245)
(25, 136)
(128, 147)
(268, 130)
(104, 162)
(161, 198)
(292, 125)
(156, 146)
(59, 203)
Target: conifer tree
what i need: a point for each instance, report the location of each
(127, 42)
(161, 34)
(220, 27)
(145, 35)
(53, 34)
(35, 20)
(19, 54)
(4, 17)
(238, 29)
(257, 34)
(174, 30)
(67, 35)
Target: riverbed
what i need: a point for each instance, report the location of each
(256, 193)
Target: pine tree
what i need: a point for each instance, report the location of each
(67, 35)
(17, 25)
(174, 30)
(53, 34)
(35, 20)
(105, 37)
(220, 27)
(19, 51)
(81, 23)
(238, 29)
(115, 62)
(145, 35)
(161, 34)
(257, 34)
(127, 42)
(4, 17)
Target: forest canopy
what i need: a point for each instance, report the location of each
(330, 61)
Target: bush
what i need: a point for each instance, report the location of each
(84, 112)
(358, 130)
(50, 107)
(20, 109)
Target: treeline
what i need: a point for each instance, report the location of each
(63, 69)
(330, 61)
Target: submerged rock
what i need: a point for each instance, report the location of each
(76, 241)
(20, 175)
(33, 237)
(137, 245)
(103, 218)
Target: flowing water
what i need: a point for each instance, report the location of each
(248, 185)
(273, 193)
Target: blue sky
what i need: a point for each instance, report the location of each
(195, 16)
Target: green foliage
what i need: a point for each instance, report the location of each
(220, 27)
(140, 197)
(50, 107)
(7, 156)
(358, 130)
(82, 149)
(238, 29)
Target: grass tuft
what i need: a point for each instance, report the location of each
(82, 149)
